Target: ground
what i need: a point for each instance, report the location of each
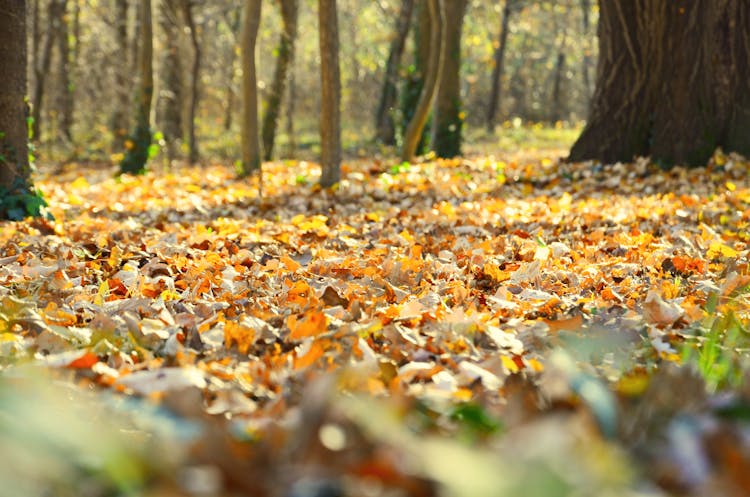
(502, 324)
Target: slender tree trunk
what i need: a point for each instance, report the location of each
(586, 62)
(251, 157)
(415, 80)
(140, 142)
(448, 117)
(434, 68)
(121, 113)
(15, 180)
(384, 123)
(168, 115)
(290, 103)
(233, 21)
(557, 100)
(284, 58)
(66, 97)
(672, 82)
(330, 83)
(499, 62)
(187, 10)
(42, 68)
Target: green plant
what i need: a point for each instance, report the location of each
(18, 202)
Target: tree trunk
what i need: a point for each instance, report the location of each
(384, 123)
(497, 69)
(427, 95)
(330, 83)
(65, 95)
(17, 199)
(42, 68)
(233, 18)
(448, 117)
(168, 115)
(250, 139)
(284, 58)
(187, 10)
(120, 115)
(290, 103)
(140, 142)
(557, 81)
(673, 82)
(586, 62)
(412, 88)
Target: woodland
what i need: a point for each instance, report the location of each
(328, 248)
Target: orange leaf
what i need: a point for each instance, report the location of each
(314, 353)
(85, 361)
(313, 324)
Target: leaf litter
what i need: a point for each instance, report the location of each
(456, 327)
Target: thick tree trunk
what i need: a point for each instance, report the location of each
(15, 182)
(434, 67)
(121, 112)
(251, 157)
(558, 105)
(497, 69)
(448, 117)
(168, 115)
(672, 82)
(284, 59)
(384, 123)
(330, 83)
(192, 106)
(140, 142)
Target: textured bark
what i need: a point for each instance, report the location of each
(384, 123)
(330, 82)
(14, 164)
(284, 58)
(499, 62)
(195, 69)
(672, 82)
(251, 157)
(140, 141)
(448, 120)
(417, 123)
(121, 112)
(168, 115)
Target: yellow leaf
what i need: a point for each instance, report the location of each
(717, 249)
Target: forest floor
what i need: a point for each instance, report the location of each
(488, 326)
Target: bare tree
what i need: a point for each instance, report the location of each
(251, 157)
(192, 107)
(499, 62)
(330, 79)
(427, 95)
(140, 141)
(285, 56)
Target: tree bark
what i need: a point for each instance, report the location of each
(384, 123)
(251, 157)
(233, 18)
(140, 142)
(15, 173)
(284, 58)
(330, 82)
(290, 104)
(448, 117)
(42, 67)
(427, 95)
(415, 79)
(497, 69)
(557, 83)
(187, 10)
(168, 115)
(65, 95)
(120, 115)
(672, 82)
(586, 62)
